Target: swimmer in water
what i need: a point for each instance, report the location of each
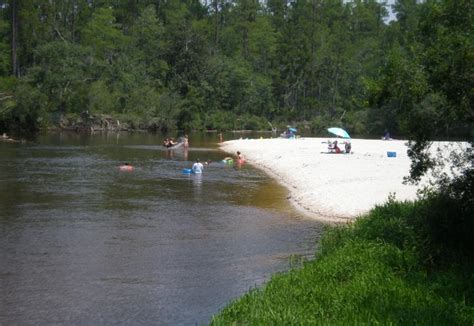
(126, 167)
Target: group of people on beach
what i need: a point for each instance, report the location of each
(334, 148)
(198, 166)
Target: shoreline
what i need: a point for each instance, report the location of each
(297, 204)
(334, 188)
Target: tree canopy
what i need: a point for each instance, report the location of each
(192, 64)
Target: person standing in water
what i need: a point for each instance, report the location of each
(197, 167)
(186, 141)
(239, 158)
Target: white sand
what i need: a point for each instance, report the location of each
(333, 187)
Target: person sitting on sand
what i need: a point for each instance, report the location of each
(386, 135)
(333, 148)
(330, 145)
(347, 147)
(336, 148)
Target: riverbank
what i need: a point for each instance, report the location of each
(335, 187)
(390, 267)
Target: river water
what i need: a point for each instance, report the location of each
(84, 243)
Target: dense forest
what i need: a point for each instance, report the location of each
(239, 64)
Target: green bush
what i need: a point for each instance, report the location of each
(403, 263)
(219, 120)
(251, 122)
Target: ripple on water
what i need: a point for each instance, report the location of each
(83, 243)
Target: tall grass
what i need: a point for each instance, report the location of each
(404, 263)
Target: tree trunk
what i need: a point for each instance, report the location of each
(15, 67)
(216, 30)
(74, 10)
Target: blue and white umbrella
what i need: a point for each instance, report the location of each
(339, 132)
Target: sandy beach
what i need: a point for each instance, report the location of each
(334, 187)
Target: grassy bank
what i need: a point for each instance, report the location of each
(403, 263)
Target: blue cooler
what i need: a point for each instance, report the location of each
(392, 154)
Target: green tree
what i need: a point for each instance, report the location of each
(185, 47)
(425, 82)
(148, 39)
(103, 35)
(62, 75)
(5, 60)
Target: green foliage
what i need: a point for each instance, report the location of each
(7, 84)
(100, 98)
(322, 62)
(217, 119)
(5, 63)
(7, 101)
(61, 75)
(425, 81)
(147, 35)
(29, 110)
(237, 64)
(404, 263)
(103, 35)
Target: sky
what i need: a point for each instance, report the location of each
(391, 15)
(388, 3)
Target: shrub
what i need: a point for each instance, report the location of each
(403, 263)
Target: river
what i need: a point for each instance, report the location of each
(84, 243)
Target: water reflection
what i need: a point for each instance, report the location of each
(197, 185)
(83, 243)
